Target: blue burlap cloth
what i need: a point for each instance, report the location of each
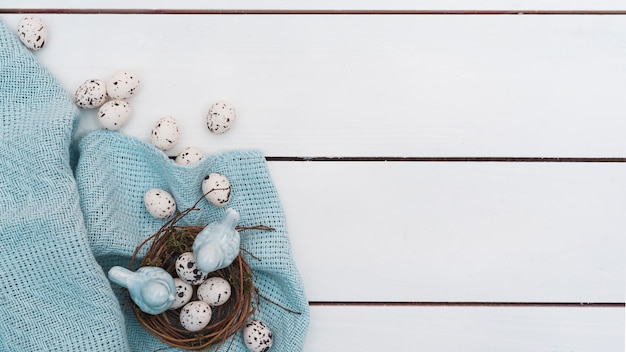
(72, 209)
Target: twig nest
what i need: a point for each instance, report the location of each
(221, 117)
(170, 243)
(32, 32)
(122, 85)
(165, 133)
(189, 155)
(91, 94)
(195, 315)
(114, 114)
(188, 271)
(215, 291)
(184, 292)
(257, 336)
(216, 189)
(159, 203)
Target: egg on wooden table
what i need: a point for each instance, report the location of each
(159, 203)
(188, 271)
(216, 189)
(221, 117)
(194, 316)
(189, 155)
(91, 94)
(215, 291)
(184, 292)
(257, 336)
(165, 133)
(114, 114)
(32, 32)
(123, 85)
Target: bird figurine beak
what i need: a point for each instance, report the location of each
(217, 245)
(151, 288)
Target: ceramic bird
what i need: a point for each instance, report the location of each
(151, 288)
(217, 245)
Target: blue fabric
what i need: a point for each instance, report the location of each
(61, 231)
(53, 294)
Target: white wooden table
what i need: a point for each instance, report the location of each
(453, 172)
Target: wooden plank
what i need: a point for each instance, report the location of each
(327, 4)
(541, 86)
(447, 329)
(446, 232)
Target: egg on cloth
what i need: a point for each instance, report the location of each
(194, 316)
(32, 32)
(189, 156)
(159, 203)
(188, 271)
(216, 189)
(221, 117)
(91, 94)
(114, 114)
(257, 336)
(215, 291)
(184, 292)
(165, 133)
(122, 85)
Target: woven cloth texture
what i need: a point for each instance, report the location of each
(53, 294)
(62, 228)
(115, 170)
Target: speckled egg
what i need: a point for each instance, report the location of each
(159, 203)
(190, 155)
(165, 133)
(216, 189)
(32, 32)
(195, 315)
(221, 117)
(184, 292)
(257, 336)
(114, 114)
(188, 271)
(215, 291)
(123, 85)
(91, 94)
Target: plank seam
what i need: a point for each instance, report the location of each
(451, 159)
(305, 12)
(471, 304)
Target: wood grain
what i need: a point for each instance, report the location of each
(447, 232)
(465, 329)
(375, 86)
(342, 5)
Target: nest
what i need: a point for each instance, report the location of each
(226, 320)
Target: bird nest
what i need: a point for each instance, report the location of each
(226, 320)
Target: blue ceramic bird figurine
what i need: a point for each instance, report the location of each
(150, 287)
(217, 245)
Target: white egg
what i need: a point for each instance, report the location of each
(114, 114)
(122, 85)
(188, 271)
(195, 315)
(165, 133)
(189, 156)
(159, 203)
(216, 189)
(32, 32)
(91, 94)
(221, 117)
(215, 291)
(184, 292)
(257, 336)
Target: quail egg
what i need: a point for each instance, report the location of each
(159, 203)
(215, 291)
(216, 189)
